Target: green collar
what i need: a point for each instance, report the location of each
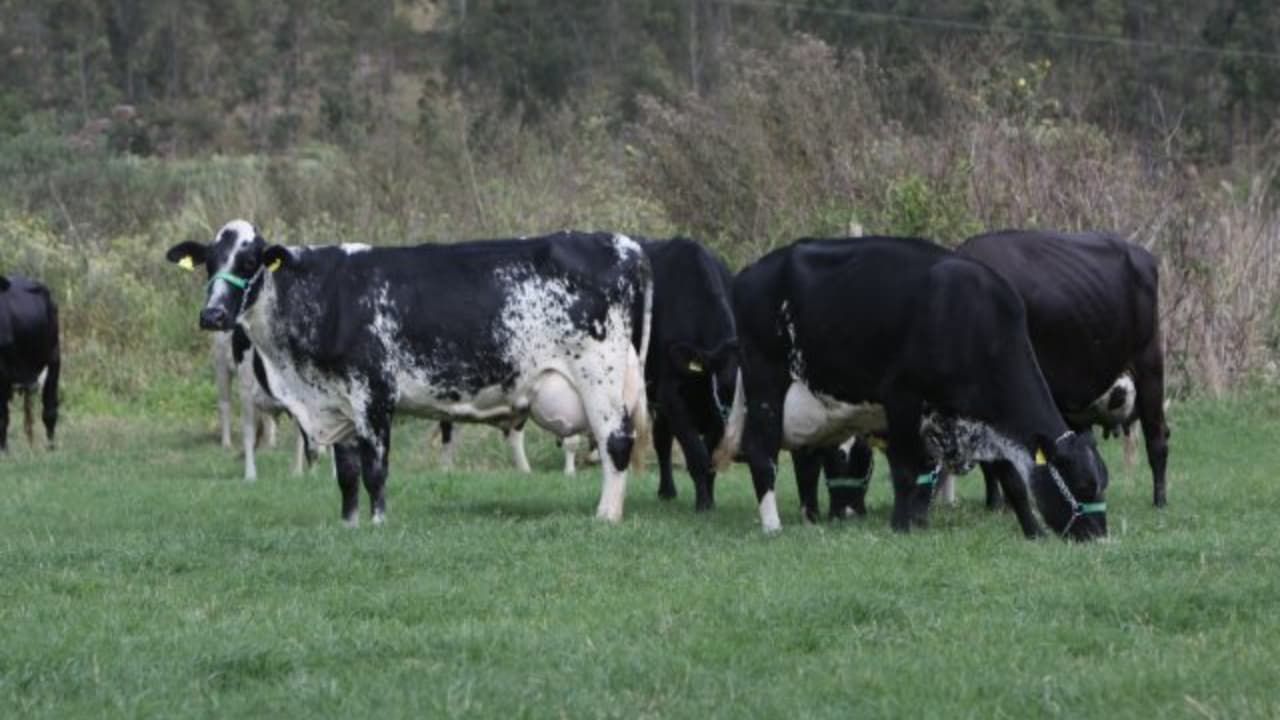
(236, 280)
(1093, 507)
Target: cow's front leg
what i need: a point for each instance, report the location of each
(6, 393)
(807, 463)
(346, 465)
(909, 466)
(696, 456)
(29, 416)
(1015, 489)
(662, 440)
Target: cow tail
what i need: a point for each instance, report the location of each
(636, 379)
(734, 426)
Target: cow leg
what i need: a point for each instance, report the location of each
(222, 374)
(346, 465)
(446, 445)
(807, 463)
(992, 481)
(762, 437)
(300, 459)
(6, 393)
(616, 412)
(696, 456)
(28, 416)
(1149, 381)
(269, 421)
(662, 439)
(848, 477)
(569, 446)
(515, 440)
(249, 434)
(1015, 490)
(909, 466)
(49, 399)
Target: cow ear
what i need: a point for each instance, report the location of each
(4, 283)
(187, 255)
(278, 256)
(687, 359)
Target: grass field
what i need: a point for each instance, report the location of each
(140, 577)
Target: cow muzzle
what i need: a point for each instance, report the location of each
(215, 318)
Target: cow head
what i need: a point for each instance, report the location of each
(233, 262)
(711, 372)
(1069, 487)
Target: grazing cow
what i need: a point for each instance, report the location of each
(693, 360)
(847, 468)
(905, 339)
(30, 355)
(1093, 316)
(493, 332)
(233, 363)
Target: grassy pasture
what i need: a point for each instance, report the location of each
(139, 576)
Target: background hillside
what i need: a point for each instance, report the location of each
(128, 125)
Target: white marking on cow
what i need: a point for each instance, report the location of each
(769, 520)
(354, 248)
(515, 442)
(814, 419)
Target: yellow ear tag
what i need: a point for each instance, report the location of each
(695, 366)
(275, 265)
(186, 263)
(1040, 457)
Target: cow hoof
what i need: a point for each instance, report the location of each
(666, 494)
(704, 506)
(351, 523)
(379, 518)
(609, 515)
(1160, 500)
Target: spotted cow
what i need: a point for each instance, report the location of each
(490, 331)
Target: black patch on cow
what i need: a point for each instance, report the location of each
(620, 444)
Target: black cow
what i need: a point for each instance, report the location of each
(492, 332)
(1093, 315)
(693, 360)
(903, 338)
(847, 469)
(29, 348)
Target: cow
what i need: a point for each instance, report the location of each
(693, 360)
(904, 339)
(30, 355)
(233, 365)
(1092, 303)
(690, 369)
(490, 331)
(847, 469)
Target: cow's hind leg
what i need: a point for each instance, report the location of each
(29, 415)
(696, 456)
(662, 439)
(515, 441)
(910, 467)
(447, 445)
(346, 465)
(49, 399)
(1149, 379)
(994, 498)
(617, 412)
(762, 437)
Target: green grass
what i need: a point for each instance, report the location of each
(140, 577)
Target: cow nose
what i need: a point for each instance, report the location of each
(213, 318)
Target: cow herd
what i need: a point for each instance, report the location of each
(1004, 353)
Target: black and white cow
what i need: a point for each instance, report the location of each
(905, 339)
(690, 369)
(490, 332)
(233, 366)
(30, 354)
(693, 360)
(1092, 303)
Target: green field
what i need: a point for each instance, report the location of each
(139, 576)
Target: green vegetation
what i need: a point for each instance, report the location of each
(143, 578)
